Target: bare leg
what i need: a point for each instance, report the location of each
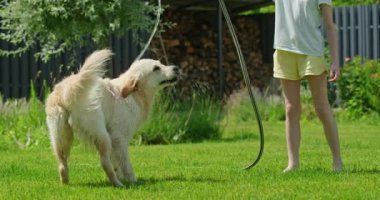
(291, 93)
(318, 87)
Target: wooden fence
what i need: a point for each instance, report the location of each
(359, 31)
(17, 73)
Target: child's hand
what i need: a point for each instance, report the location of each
(334, 72)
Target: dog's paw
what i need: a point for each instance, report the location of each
(131, 179)
(117, 183)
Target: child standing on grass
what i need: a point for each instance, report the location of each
(299, 45)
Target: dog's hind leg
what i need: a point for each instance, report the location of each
(61, 136)
(104, 147)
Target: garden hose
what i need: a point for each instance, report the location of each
(246, 80)
(242, 65)
(158, 14)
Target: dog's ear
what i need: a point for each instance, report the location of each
(129, 87)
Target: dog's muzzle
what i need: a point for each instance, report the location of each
(174, 78)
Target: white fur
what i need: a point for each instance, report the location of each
(104, 112)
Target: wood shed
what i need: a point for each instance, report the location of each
(201, 44)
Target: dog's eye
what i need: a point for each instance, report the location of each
(156, 68)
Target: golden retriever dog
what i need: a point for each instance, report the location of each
(104, 112)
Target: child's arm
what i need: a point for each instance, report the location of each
(327, 14)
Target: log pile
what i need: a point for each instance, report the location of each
(192, 44)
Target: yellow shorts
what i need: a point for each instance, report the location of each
(293, 66)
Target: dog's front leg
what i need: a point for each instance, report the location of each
(117, 157)
(104, 147)
(127, 166)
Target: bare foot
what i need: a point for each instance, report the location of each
(338, 166)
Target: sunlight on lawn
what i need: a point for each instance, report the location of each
(208, 170)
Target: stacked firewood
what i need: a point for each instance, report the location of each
(192, 44)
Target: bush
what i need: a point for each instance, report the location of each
(359, 88)
(239, 107)
(58, 26)
(239, 117)
(22, 123)
(187, 120)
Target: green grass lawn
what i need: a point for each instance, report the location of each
(208, 170)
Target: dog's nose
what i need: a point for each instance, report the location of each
(176, 69)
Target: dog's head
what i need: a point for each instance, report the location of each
(149, 75)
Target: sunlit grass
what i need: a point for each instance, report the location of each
(208, 170)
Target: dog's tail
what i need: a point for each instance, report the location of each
(86, 81)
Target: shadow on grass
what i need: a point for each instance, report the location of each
(240, 137)
(317, 171)
(152, 181)
(364, 171)
(99, 184)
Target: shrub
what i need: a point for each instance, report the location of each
(359, 88)
(307, 105)
(239, 117)
(239, 107)
(58, 26)
(22, 123)
(181, 120)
